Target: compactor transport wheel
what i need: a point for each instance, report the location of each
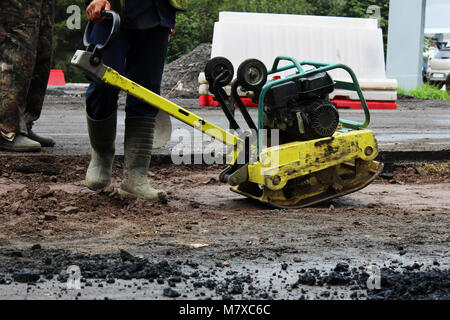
(252, 75)
(217, 66)
(317, 187)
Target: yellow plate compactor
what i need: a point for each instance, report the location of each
(298, 153)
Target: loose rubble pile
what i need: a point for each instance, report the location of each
(180, 78)
(38, 265)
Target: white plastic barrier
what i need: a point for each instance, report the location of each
(378, 84)
(360, 49)
(381, 95)
(372, 90)
(322, 21)
(355, 42)
(203, 90)
(384, 95)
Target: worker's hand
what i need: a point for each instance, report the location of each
(94, 11)
(173, 31)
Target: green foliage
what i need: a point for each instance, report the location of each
(428, 43)
(187, 37)
(427, 91)
(267, 6)
(358, 8)
(329, 8)
(197, 24)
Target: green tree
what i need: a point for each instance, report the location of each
(327, 7)
(358, 8)
(193, 27)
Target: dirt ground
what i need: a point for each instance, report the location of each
(399, 223)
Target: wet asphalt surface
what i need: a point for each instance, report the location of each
(417, 125)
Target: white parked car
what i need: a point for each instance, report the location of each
(439, 65)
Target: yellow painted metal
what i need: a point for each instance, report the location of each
(316, 187)
(113, 78)
(279, 164)
(295, 174)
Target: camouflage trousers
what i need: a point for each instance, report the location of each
(26, 29)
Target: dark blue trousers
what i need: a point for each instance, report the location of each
(139, 55)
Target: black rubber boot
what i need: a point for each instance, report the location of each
(138, 152)
(102, 134)
(20, 143)
(46, 142)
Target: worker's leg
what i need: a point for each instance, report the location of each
(39, 80)
(101, 98)
(18, 38)
(101, 111)
(145, 63)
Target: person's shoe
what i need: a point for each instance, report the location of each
(102, 135)
(138, 152)
(46, 142)
(20, 143)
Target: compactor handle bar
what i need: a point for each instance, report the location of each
(90, 62)
(98, 49)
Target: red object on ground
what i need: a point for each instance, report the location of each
(356, 104)
(56, 78)
(203, 101)
(208, 101)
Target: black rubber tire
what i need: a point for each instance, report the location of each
(215, 67)
(254, 81)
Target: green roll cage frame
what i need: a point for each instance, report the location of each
(320, 67)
